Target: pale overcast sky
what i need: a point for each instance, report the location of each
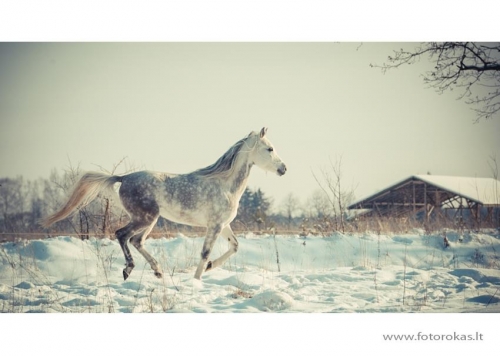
(177, 107)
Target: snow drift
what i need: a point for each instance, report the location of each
(337, 273)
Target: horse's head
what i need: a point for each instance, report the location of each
(263, 153)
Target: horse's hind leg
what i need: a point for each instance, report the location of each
(228, 234)
(138, 242)
(135, 227)
(123, 235)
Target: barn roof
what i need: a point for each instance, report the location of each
(485, 191)
(416, 191)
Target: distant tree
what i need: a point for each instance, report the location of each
(261, 202)
(319, 206)
(245, 208)
(289, 207)
(37, 204)
(254, 208)
(11, 202)
(471, 67)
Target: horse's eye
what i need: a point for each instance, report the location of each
(270, 149)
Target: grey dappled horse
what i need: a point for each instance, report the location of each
(208, 197)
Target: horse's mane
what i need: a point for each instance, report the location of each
(223, 167)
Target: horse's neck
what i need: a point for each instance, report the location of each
(238, 180)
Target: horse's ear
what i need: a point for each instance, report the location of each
(263, 132)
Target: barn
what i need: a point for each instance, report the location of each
(428, 194)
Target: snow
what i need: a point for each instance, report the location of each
(356, 273)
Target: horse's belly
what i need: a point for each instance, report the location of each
(184, 217)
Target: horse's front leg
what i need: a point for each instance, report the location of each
(212, 233)
(228, 234)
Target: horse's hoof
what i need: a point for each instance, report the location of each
(209, 266)
(158, 274)
(125, 275)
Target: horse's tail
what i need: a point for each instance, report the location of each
(86, 190)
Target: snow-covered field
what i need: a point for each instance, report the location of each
(338, 273)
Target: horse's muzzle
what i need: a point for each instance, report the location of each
(282, 170)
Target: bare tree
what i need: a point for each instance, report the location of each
(319, 205)
(318, 212)
(471, 67)
(495, 174)
(11, 204)
(332, 184)
(290, 206)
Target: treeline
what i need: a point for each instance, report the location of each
(23, 203)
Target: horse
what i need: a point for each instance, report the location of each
(208, 197)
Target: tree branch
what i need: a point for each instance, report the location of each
(462, 65)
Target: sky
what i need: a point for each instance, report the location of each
(177, 107)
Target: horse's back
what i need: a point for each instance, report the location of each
(139, 190)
